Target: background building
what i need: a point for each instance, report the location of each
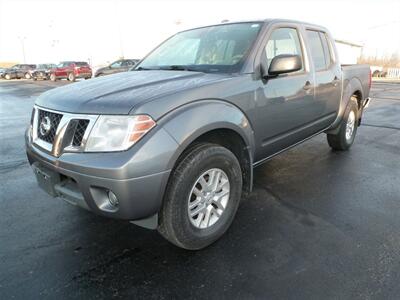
(349, 52)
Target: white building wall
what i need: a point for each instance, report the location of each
(348, 54)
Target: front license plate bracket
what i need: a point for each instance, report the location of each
(46, 179)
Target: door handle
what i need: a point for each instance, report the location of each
(307, 85)
(335, 81)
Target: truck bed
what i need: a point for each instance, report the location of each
(358, 72)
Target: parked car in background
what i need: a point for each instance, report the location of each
(172, 144)
(71, 70)
(42, 71)
(18, 71)
(2, 71)
(118, 66)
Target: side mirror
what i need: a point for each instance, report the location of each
(284, 63)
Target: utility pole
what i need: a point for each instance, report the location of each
(22, 39)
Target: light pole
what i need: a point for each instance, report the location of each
(54, 43)
(121, 44)
(22, 39)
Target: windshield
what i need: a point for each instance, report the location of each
(63, 64)
(220, 48)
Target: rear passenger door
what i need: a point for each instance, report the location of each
(327, 73)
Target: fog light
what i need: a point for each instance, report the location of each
(112, 198)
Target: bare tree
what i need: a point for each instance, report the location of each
(386, 61)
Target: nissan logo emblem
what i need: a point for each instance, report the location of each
(45, 126)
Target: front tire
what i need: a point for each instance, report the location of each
(27, 75)
(53, 77)
(71, 77)
(202, 197)
(7, 76)
(344, 138)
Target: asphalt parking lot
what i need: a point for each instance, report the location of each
(318, 225)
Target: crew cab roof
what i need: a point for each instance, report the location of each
(268, 20)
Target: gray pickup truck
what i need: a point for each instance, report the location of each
(172, 144)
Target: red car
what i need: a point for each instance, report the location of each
(71, 70)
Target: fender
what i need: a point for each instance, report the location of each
(349, 88)
(188, 122)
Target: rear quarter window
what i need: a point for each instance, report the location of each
(327, 51)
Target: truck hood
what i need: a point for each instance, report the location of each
(120, 93)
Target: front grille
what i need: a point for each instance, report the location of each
(80, 132)
(49, 135)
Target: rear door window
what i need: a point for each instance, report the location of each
(317, 50)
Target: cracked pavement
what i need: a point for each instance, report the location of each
(318, 225)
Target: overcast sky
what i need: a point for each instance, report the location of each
(104, 30)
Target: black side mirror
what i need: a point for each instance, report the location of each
(284, 63)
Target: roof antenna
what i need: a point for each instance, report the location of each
(225, 21)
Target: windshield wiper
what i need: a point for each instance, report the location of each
(143, 69)
(178, 68)
(168, 68)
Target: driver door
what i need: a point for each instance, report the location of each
(115, 67)
(286, 105)
(61, 70)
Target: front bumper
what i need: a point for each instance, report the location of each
(40, 75)
(85, 179)
(83, 75)
(13, 75)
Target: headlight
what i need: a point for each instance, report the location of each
(117, 133)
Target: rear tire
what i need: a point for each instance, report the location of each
(53, 77)
(215, 198)
(343, 140)
(27, 75)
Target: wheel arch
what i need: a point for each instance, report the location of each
(351, 88)
(217, 122)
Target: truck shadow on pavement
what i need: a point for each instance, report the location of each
(271, 238)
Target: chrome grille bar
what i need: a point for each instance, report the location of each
(60, 145)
